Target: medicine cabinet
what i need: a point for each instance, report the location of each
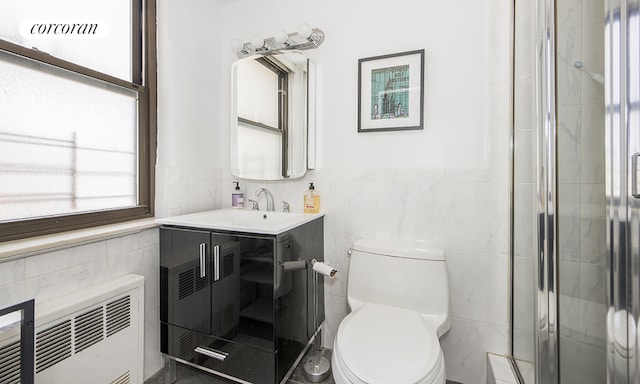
(272, 116)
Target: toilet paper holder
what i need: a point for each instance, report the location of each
(317, 266)
(318, 367)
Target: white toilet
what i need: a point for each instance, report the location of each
(398, 293)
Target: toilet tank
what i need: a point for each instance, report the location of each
(406, 274)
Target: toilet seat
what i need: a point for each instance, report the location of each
(379, 344)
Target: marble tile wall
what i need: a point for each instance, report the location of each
(467, 218)
(53, 274)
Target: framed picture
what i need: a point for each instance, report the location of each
(390, 92)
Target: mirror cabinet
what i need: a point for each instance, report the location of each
(272, 116)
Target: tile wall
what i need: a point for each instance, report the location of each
(53, 274)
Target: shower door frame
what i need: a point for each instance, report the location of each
(546, 249)
(622, 184)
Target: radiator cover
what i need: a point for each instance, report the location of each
(93, 336)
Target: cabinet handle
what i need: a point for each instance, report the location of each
(219, 355)
(203, 260)
(216, 263)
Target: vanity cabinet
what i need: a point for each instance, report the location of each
(229, 306)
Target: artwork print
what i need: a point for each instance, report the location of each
(390, 92)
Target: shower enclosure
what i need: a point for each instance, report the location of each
(575, 194)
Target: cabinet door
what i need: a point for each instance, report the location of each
(185, 278)
(225, 285)
(257, 308)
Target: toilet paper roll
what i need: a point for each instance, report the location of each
(324, 269)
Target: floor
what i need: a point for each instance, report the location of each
(189, 375)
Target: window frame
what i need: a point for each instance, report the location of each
(144, 82)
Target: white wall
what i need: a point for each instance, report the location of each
(189, 92)
(447, 183)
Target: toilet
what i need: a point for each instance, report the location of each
(398, 293)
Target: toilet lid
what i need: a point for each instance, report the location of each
(381, 345)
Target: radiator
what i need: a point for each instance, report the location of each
(95, 335)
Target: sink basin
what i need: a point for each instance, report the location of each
(270, 223)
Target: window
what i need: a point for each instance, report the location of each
(77, 114)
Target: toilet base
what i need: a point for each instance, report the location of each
(341, 376)
(316, 369)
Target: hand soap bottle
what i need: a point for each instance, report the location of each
(237, 196)
(311, 200)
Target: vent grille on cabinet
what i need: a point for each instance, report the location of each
(185, 284)
(10, 363)
(227, 265)
(201, 282)
(190, 282)
(186, 344)
(89, 329)
(118, 315)
(220, 320)
(188, 341)
(53, 345)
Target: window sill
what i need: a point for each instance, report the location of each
(17, 249)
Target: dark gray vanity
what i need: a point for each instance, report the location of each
(228, 305)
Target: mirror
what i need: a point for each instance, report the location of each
(272, 103)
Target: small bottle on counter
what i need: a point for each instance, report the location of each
(237, 196)
(311, 200)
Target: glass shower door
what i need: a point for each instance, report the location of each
(582, 251)
(559, 205)
(586, 243)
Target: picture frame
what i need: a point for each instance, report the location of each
(391, 92)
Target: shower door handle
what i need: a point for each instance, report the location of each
(635, 191)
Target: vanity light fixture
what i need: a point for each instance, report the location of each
(239, 47)
(281, 36)
(259, 44)
(310, 34)
(305, 38)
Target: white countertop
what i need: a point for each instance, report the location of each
(243, 220)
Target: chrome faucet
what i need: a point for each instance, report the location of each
(270, 204)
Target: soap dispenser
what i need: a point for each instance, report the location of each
(237, 196)
(311, 200)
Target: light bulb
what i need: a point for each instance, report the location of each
(257, 42)
(237, 45)
(281, 36)
(304, 30)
